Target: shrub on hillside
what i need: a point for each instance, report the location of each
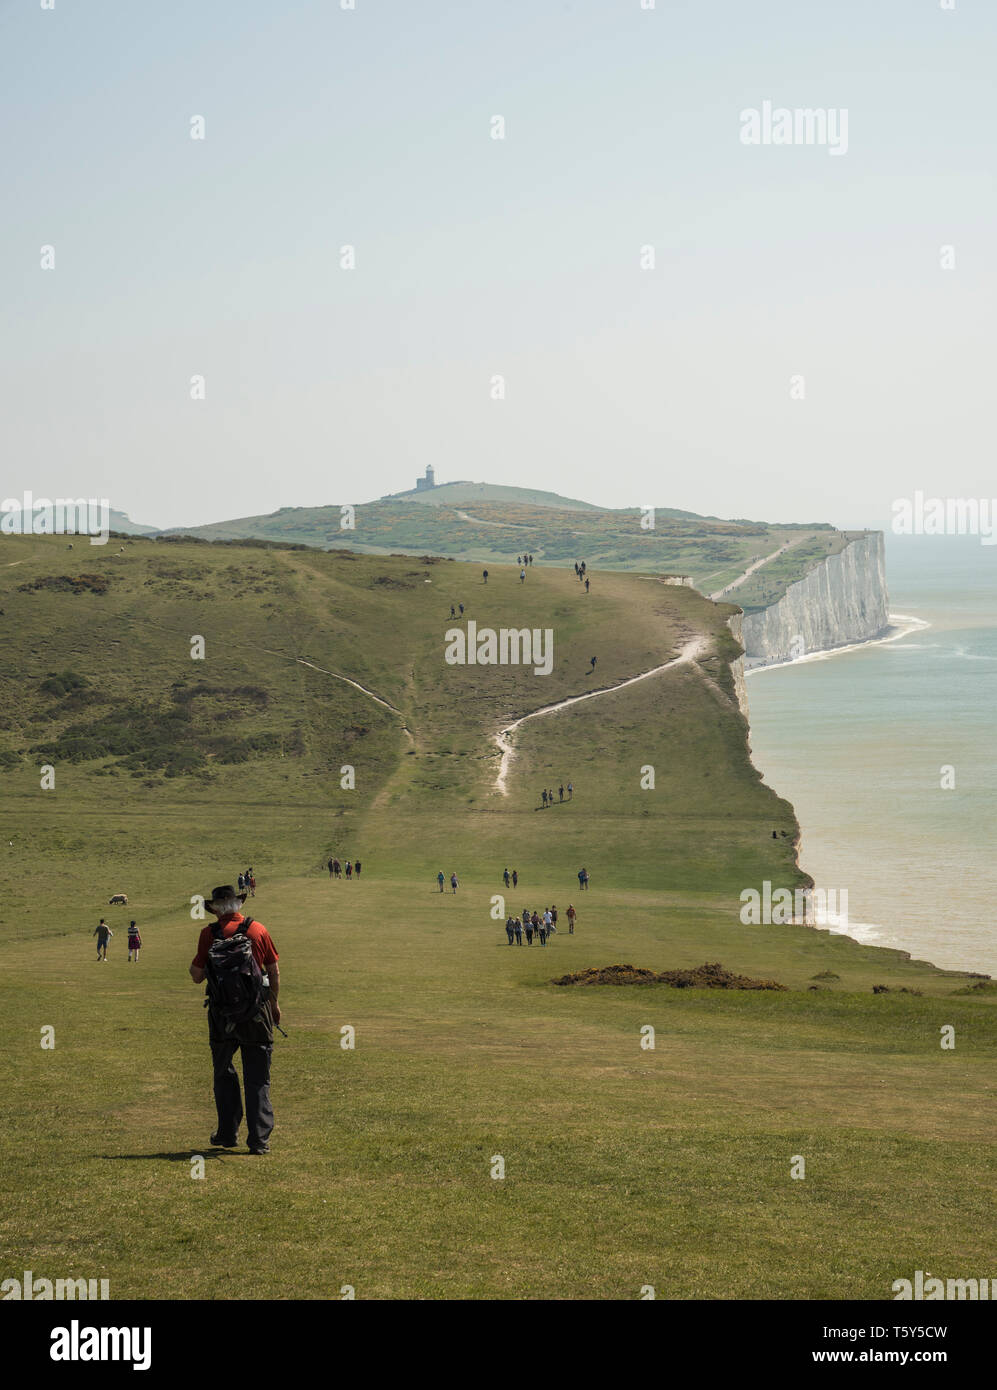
(67, 583)
(62, 682)
(185, 694)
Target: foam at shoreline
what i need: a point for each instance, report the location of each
(901, 625)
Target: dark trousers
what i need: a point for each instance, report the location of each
(256, 1078)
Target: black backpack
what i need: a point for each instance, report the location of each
(237, 996)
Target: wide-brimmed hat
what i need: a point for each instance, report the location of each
(224, 894)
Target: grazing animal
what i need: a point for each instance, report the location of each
(119, 898)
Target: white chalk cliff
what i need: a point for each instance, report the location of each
(842, 600)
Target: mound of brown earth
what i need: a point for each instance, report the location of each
(703, 977)
(609, 975)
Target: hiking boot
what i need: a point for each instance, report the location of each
(259, 1149)
(218, 1142)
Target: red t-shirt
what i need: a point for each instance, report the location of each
(263, 948)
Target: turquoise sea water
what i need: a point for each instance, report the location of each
(857, 742)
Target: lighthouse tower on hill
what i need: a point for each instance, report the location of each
(423, 484)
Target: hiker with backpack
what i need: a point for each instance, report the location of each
(238, 960)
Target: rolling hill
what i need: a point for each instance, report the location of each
(499, 524)
(324, 719)
(460, 493)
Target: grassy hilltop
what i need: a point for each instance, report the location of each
(486, 523)
(448, 494)
(624, 1166)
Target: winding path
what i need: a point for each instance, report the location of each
(736, 584)
(336, 676)
(506, 525)
(691, 652)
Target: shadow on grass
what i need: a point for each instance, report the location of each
(183, 1157)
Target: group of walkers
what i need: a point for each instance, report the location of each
(103, 934)
(513, 878)
(454, 884)
(353, 867)
(247, 881)
(539, 924)
(524, 561)
(547, 795)
(583, 878)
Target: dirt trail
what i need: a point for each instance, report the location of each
(691, 652)
(336, 676)
(756, 565)
(506, 525)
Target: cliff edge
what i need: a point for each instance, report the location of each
(842, 600)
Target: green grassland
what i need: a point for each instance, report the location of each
(495, 530)
(623, 1166)
(447, 494)
(768, 583)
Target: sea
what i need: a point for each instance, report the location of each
(888, 752)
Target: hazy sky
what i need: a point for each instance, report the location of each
(475, 257)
